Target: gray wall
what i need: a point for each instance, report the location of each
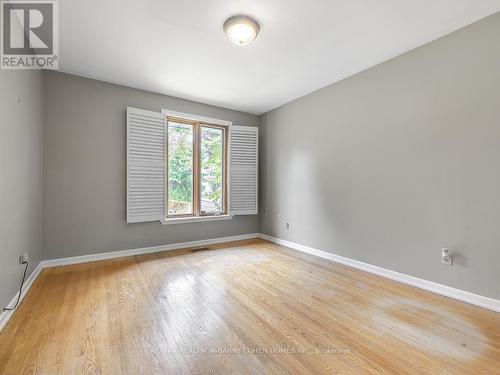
(20, 176)
(84, 199)
(392, 164)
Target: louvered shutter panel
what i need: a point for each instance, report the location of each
(145, 165)
(243, 184)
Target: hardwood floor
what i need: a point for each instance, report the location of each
(249, 307)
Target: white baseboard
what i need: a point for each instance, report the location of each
(474, 299)
(461, 295)
(143, 250)
(6, 315)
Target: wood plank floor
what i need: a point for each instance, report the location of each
(249, 307)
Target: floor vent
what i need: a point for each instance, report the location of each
(200, 249)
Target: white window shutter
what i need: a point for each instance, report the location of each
(243, 170)
(145, 165)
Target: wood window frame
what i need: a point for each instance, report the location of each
(197, 126)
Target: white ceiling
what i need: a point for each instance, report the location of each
(178, 47)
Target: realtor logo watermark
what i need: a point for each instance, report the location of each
(30, 35)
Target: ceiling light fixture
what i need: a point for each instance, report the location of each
(241, 30)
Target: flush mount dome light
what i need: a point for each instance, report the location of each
(241, 30)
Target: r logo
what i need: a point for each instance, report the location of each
(29, 34)
(27, 28)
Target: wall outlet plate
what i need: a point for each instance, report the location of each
(24, 258)
(446, 256)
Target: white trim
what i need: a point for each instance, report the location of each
(461, 295)
(474, 299)
(6, 315)
(195, 219)
(247, 212)
(188, 116)
(141, 111)
(143, 250)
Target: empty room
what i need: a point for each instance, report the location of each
(250, 187)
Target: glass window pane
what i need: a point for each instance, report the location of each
(180, 169)
(212, 170)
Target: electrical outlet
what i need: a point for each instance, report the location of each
(287, 225)
(446, 256)
(24, 258)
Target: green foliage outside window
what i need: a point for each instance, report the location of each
(212, 169)
(180, 169)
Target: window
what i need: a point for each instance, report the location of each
(184, 168)
(196, 168)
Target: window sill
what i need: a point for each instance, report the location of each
(198, 219)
